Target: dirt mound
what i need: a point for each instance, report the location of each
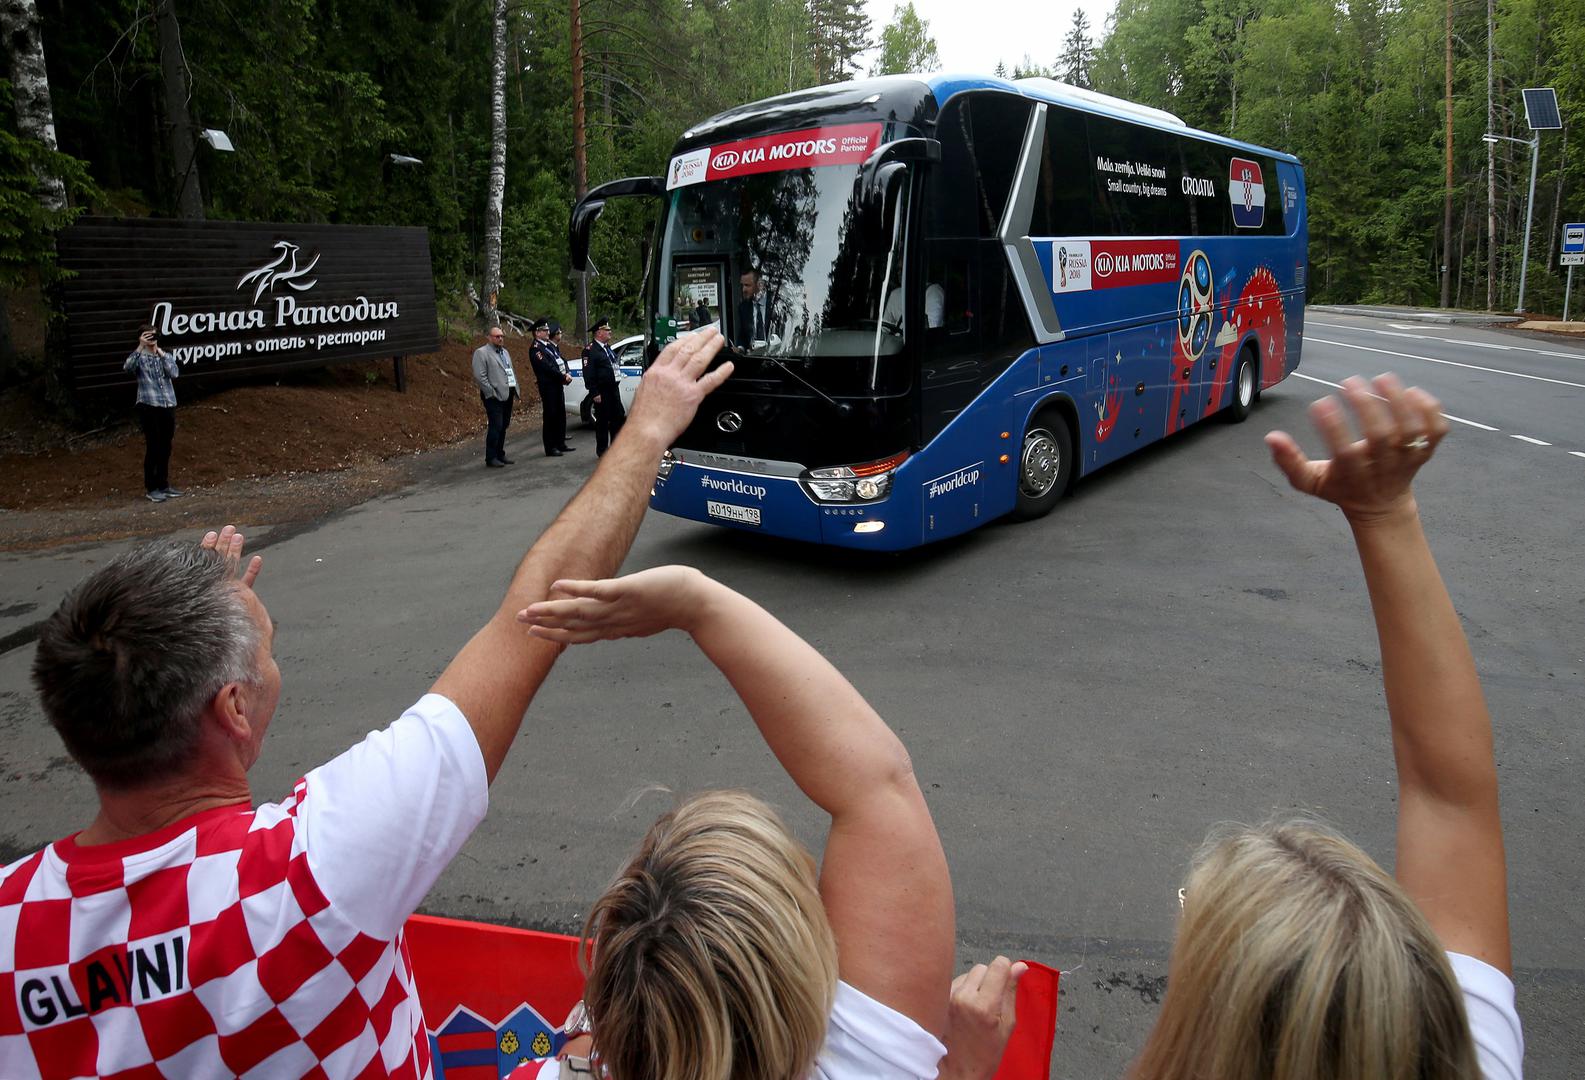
(309, 442)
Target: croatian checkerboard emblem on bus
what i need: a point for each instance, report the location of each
(1247, 190)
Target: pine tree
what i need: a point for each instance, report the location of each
(1078, 52)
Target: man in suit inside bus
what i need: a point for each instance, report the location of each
(753, 311)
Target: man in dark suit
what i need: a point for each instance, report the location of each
(753, 314)
(701, 315)
(550, 374)
(600, 376)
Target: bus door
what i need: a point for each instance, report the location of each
(1102, 404)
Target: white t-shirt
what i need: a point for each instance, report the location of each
(866, 1040)
(1493, 1020)
(242, 942)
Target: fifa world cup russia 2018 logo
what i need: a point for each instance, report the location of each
(1194, 307)
(1195, 304)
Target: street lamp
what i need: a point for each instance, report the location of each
(217, 138)
(402, 159)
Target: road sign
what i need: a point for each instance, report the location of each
(1574, 238)
(1571, 258)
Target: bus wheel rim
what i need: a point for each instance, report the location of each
(1042, 464)
(1246, 383)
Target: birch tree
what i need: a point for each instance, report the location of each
(496, 191)
(24, 38)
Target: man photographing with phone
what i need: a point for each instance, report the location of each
(156, 411)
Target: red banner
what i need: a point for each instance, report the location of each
(844, 144)
(1114, 263)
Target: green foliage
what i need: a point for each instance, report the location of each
(906, 45)
(27, 229)
(1356, 90)
(317, 94)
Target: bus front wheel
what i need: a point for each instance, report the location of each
(1045, 466)
(1243, 388)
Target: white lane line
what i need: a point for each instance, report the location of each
(1528, 439)
(1451, 363)
(1444, 340)
(1577, 453)
(1447, 416)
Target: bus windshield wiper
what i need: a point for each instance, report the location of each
(842, 407)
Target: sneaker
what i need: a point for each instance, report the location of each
(172, 493)
(156, 496)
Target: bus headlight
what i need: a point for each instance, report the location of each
(848, 483)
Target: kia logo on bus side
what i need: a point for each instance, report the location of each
(729, 422)
(1103, 264)
(726, 159)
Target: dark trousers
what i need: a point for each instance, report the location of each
(499, 416)
(608, 417)
(159, 430)
(553, 402)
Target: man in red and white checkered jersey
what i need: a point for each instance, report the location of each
(184, 933)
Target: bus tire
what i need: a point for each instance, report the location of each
(1045, 466)
(1245, 387)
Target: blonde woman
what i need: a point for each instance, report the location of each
(721, 951)
(1297, 957)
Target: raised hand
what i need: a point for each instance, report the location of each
(980, 1019)
(1369, 477)
(228, 542)
(676, 383)
(638, 605)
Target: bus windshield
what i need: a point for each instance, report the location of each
(787, 261)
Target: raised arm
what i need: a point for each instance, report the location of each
(495, 676)
(884, 877)
(1450, 850)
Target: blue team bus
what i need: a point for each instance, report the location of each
(948, 298)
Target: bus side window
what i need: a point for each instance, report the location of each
(1134, 167)
(1065, 195)
(981, 136)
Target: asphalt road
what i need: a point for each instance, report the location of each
(1185, 641)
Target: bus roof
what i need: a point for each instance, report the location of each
(947, 85)
(899, 95)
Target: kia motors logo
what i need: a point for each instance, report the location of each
(729, 422)
(726, 159)
(1103, 264)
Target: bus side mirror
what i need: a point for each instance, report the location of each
(881, 182)
(588, 208)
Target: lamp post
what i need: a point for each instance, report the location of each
(1535, 159)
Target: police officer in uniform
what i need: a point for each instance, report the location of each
(600, 376)
(550, 373)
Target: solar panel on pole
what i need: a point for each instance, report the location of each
(1540, 109)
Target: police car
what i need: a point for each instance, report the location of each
(630, 360)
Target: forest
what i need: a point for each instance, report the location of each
(482, 120)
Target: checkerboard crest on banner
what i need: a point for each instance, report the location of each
(1246, 188)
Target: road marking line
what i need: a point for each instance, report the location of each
(1447, 416)
(1528, 439)
(1451, 363)
(1577, 453)
(1445, 340)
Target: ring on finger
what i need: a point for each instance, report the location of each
(1419, 442)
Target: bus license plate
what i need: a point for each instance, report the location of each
(743, 515)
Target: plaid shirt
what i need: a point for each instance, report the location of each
(155, 372)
